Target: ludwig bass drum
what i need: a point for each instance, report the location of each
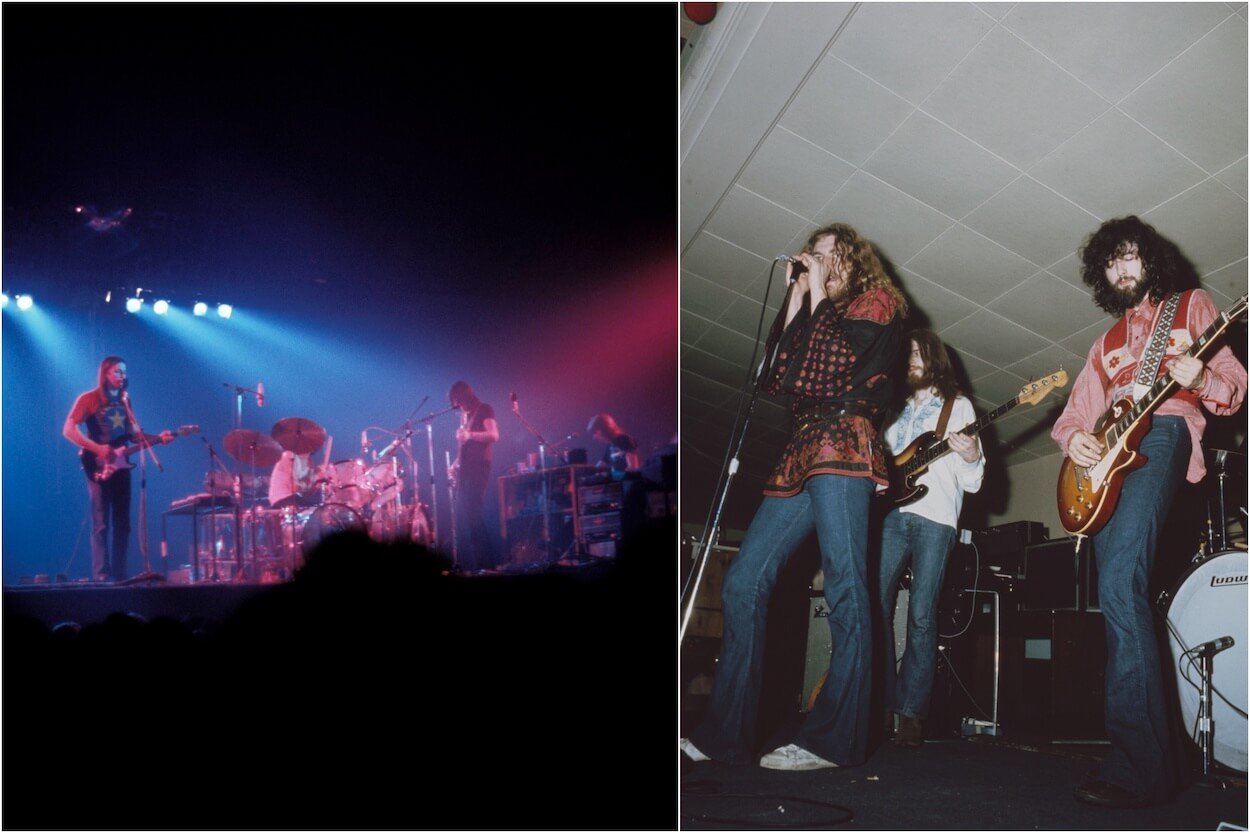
(1209, 602)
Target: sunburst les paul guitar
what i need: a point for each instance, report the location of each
(1088, 496)
(913, 461)
(118, 458)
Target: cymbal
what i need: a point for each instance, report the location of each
(1224, 460)
(253, 448)
(298, 435)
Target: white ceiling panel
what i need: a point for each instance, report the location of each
(985, 269)
(704, 390)
(994, 338)
(794, 173)
(899, 224)
(1234, 176)
(911, 47)
(1079, 343)
(844, 112)
(1227, 284)
(997, 387)
(731, 346)
(1113, 47)
(1048, 306)
(691, 327)
(743, 317)
(1045, 362)
(939, 167)
(1207, 222)
(1115, 167)
(1032, 221)
(706, 299)
(1068, 268)
(748, 220)
(936, 306)
(719, 260)
(974, 367)
(1197, 103)
(714, 368)
(995, 10)
(981, 99)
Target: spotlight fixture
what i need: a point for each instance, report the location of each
(200, 308)
(225, 310)
(4, 300)
(134, 304)
(161, 307)
(108, 297)
(25, 302)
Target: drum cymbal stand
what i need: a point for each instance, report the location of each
(1206, 724)
(145, 448)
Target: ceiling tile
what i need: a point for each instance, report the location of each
(995, 10)
(910, 47)
(1197, 103)
(991, 337)
(977, 268)
(692, 327)
(1069, 268)
(1207, 222)
(939, 167)
(932, 306)
(1234, 176)
(705, 390)
(1114, 167)
(1041, 444)
(730, 346)
(898, 224)
(1112, 47)
(974, 367)
(1229, 283)
(844, 112)
(1045, 362)
(1011, 100)
(720, 261)
(1032, 221)
(1080, 343)
(776, 292)
(714, 368)
(794, 173)
(702, 297)
(1048, 306)
(743, 317)
(752, 222)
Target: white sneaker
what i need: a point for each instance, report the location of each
(794, 758)
(692, 751)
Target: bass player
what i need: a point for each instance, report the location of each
(105, 411)
(922, 534)
(1139, 276)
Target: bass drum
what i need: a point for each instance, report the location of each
(1209, 602)
(328, 520)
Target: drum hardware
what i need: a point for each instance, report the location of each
(1206, 731)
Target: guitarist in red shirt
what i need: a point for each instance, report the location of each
(105, 411)
(1138, 275)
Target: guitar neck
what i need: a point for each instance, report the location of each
(1163, 386)
(943, 447)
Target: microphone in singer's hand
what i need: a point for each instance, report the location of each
(260, 394)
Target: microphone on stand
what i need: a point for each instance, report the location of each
(1214, 646)
(364, 442)
(260, 394)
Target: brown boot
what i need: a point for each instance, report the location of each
(910, 732)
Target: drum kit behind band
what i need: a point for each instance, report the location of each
(360, 495)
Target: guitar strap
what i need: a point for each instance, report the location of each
(944, 417)
(1148, 369)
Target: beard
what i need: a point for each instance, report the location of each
(1128, 297)
(919, 381)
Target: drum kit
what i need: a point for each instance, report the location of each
(361, 495)
(1206, 614)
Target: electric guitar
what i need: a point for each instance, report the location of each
(118, 457)
(913, 461)
(1088, 496)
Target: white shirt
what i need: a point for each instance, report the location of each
(947, 477)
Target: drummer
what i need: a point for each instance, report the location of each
(294, 480)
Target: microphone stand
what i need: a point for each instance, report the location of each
(212, 516)
(1206, 727)
(238, 403)
(542, 465)
(145, 447)
(428, 419)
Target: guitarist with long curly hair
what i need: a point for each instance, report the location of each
(1141, 278)
(105, 411)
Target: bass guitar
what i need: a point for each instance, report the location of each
(118, 457)
(907, 466)
(1088, 496)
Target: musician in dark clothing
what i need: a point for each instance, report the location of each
(1136, 275)
(621, 454)
(105, 411)
(833, 349)
(470, 473)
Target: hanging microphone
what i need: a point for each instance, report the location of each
(260, 394)
(1214, 646)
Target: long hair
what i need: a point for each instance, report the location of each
(462, 396)
(1164, 268)
(866, 269)
(937, 362)
(101, 386)
(604, 423)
